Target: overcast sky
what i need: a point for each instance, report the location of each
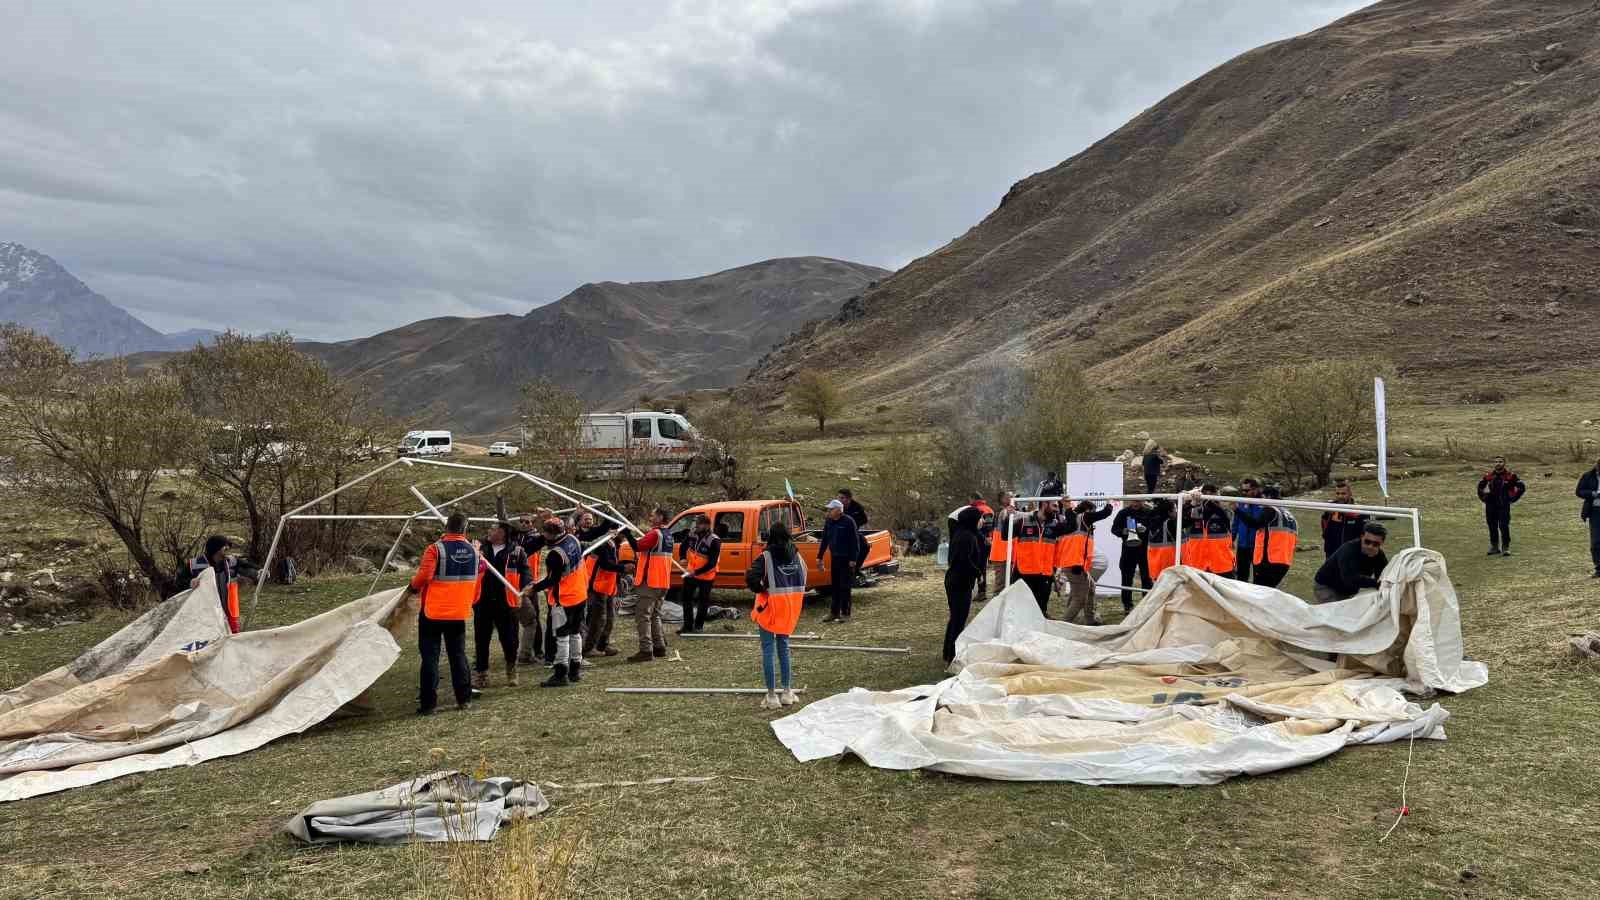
(339, 168)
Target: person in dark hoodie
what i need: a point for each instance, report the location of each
(968, 556)
(1132, 526)
(1498, 489)
(1589, 492)
(495, 612)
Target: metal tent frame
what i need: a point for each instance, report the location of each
(1405, 512)
(598, 506)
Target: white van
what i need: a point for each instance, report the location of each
(425, 443)
(663, 442)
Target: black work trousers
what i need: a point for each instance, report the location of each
(1271, 574)
(1498, 518)
(843, 578)
(488, 617)
(1594, 539)
(958, 596)
(1041, 586)
(453, 635)
(1133, 561)
(696, 597)
(1242, 556)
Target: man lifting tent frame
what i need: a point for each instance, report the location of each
(1409, 513)
(432, 510)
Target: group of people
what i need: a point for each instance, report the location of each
(1052, 545)
(552, 585)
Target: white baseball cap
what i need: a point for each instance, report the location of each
(835, 504)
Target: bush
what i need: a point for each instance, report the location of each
(907, 487)
(1060, 418)
(1301, 418)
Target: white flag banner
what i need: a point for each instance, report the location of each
(1379, 401)
(1100, 479)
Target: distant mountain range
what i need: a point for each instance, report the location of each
(37, 292)
(610, 342)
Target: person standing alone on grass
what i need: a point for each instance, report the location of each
(216, 561)
(701, 552)
(1589, 490)
(839, 556)
(1498, 489)
(1340, 528)
(967, 562)
(1355, 567)
(654, 579)
(778, 579)
(447, 583)
(495, 610)
(1132, 527)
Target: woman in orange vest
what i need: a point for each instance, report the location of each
(778, 579)
(447, 581)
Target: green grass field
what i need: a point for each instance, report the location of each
(1509, 797)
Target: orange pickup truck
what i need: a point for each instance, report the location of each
(741, 524)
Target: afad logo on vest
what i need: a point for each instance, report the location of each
(462, 555)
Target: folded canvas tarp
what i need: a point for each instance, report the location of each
(1207, 679)
(173, 688)
(444, 806)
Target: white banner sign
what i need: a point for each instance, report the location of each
(1100, 479)
(1379, 402)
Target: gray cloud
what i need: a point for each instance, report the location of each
(339, 169)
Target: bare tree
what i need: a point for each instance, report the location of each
(730, 445)
(816, 396)
(91, 438)
(1300, 419)
(552, 420)
(1060, 418)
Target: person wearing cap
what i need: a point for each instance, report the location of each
(217, 561)
(495, 611)
(839, 557)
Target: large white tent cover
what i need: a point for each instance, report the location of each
(1207, 679)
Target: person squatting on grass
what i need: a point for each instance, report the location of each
(778, 579)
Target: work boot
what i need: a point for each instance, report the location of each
(558, 678)
(511, 676)
(480, 680)
(1506, 551)
(1493, 551)
(788, 698)
(575, 671)
(771, 701)
(642, 656)
(609, 650)
(592, 654)
(659, 651)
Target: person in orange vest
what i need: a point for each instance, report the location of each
(217, 560)
(1208, 536)
(999, 537)
(603, 590)
(778, 579)
(447, 583)
(700, 554)
(1075, 556)
(1033, 552)
(566, 584)
(1161, 549)
(1277, 534)
(654, 566)
(496, 610)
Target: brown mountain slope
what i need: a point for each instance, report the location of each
(610, 342)
(1420, 179)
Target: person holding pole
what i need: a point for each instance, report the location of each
(566, 581)
(1132, 526)
(1355, 567)
(1033, 552)
(778, 579)
(1000, 538)
(655, 567)
(1162, 550)
(603, 589)
(1277, 534)
(446, 582)
(967, 562)
(1244, 533)
(1075, 556)
(495, 609)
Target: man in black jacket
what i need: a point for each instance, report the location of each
(1132, 527)
(700, 554)
(1339, 528)
(1353, 567)
(1589, 490)
(494, 612)
(1498, 489)
(840, 556)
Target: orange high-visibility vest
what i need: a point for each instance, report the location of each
(513, 596)
(1214, 551)
(233, 606)
(1032, 551)
(605, 582)
(1000, 539)
(778, 608)
(658, 562)
(1161, 553)
(1276, 543)
(697, 559)
(448, 596)
(1075, 550)
(573, 587)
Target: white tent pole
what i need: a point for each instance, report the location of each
(382, 566)
(476, 552)
(1177, 538)
(1011, 545)
(277, 535)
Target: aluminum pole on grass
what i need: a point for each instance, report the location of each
(681, 690)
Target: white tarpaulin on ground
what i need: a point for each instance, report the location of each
(173, 688)
(1208, 678)
(444, 806)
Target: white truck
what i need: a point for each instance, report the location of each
(652, 444)
(425, 443)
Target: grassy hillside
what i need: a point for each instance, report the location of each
(1517, 764)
